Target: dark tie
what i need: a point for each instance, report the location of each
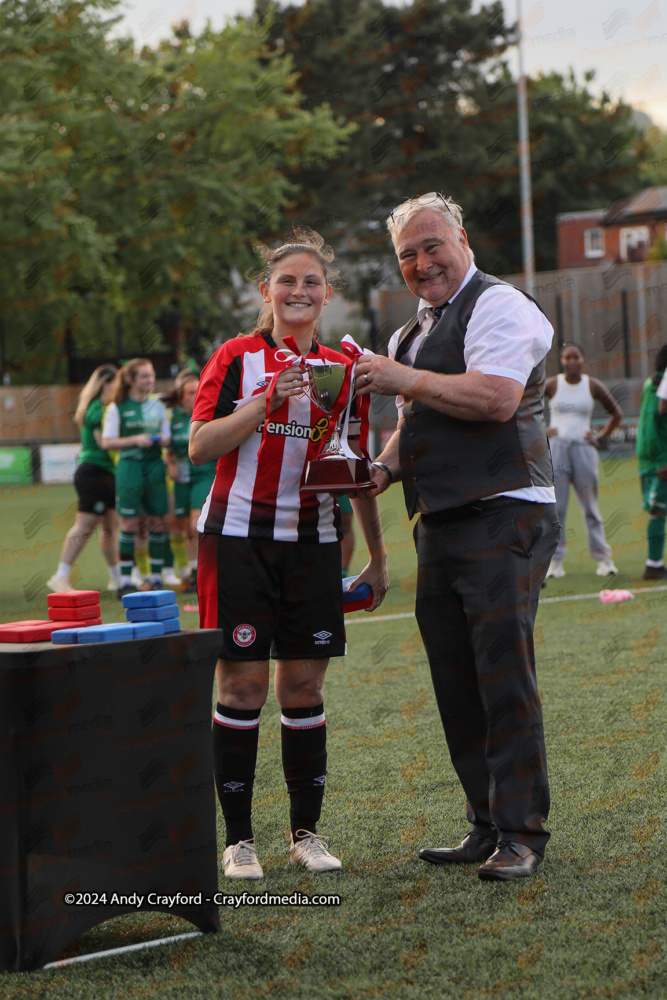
(437, 313)
(404, 344)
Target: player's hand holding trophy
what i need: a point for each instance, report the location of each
(338, 469)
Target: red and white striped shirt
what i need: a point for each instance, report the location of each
(255, 497)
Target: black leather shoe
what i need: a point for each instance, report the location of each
(473, 847)
(510, 861)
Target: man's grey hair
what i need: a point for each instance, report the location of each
(446, 207)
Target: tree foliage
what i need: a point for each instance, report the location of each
(655, 168)
(133, 185)
(435, 103)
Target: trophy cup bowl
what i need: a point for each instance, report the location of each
(333, 471)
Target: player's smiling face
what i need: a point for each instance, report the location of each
(297, 292)
(143, 382)
(434, 257)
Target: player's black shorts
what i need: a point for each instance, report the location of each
(96, 488)
(280, 599)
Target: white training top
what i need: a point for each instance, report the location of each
(507, 335)
(571, 408)
(154, 414)
(662, 388)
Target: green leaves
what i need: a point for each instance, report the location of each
(149, 176)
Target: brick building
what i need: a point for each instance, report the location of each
(623, 233)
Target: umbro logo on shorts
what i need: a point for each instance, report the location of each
(244, 635)
(321, 638)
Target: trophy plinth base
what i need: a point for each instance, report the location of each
(337, 475)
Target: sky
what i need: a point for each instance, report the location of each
(624, 41)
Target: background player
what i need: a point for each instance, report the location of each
(94, 482)
(574, 451)
(652, 461)
(138, 428)
(191, 482)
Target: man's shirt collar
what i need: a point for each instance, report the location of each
(425, 306)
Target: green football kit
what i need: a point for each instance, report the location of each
(140, 475)
(193, 482)
(90, 450)
(652, 449)
(651, 456)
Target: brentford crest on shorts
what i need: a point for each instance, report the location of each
(244, 635)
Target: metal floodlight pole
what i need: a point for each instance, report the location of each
(526, 204)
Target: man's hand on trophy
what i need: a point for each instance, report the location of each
(375, 373)
(290, 382)
(381, 480)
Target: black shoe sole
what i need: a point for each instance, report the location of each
(435, 859)
(504, 876)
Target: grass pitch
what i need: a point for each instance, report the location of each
(591, 925)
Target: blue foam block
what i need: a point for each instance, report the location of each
(358, 594)
(149, 599)
(67, 635)
(106, 633)
(152, 614)
(171, 625)
(143, 630)
(360, 598)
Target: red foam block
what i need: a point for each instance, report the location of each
(73, 598)
(358, 605)
(25, 622)
(74, 614)
(20, 632)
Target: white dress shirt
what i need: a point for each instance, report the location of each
(507, 335)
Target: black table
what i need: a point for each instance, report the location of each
(106, 785)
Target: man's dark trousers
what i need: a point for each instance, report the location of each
(478, 584)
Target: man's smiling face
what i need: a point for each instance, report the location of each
(433, 257)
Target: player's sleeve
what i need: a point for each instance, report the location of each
(111, 426)
(507, 335)
(219, 384)
(662, 388)
(93, 416)
(165, 425)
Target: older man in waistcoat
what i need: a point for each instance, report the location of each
(471, 450)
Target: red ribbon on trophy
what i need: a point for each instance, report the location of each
(350, 348)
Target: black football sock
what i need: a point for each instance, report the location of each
(126, 556)
(304, 749)
(235, 735)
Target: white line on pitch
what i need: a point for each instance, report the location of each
(120, 951)
(543, 600)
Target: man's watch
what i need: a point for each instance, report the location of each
(385, 468)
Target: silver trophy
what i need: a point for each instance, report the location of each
(334, 471)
